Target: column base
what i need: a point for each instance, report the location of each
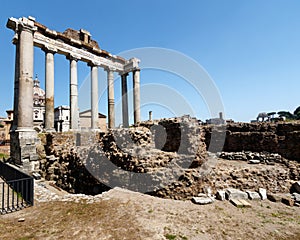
(23, 150)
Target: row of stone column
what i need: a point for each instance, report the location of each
(74, 113)
(24, 88)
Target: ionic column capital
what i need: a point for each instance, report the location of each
(123, 74)
(49, 49)
(136, 70)
(72, 56)
(109, 69)
(27, 28)
(92, 64)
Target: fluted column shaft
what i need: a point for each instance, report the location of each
(136, 96)
(125, 100)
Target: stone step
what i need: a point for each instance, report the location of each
(240, 203)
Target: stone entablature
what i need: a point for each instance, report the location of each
(73, 43)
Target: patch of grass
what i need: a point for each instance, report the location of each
(219, 208)
(267, 221)
(170, 236)
(150, 211)
(276, 215)
(4, 155)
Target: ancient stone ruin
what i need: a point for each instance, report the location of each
(76, 46)
(174, 158)
(167, 158)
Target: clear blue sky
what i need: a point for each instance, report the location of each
(251, 49)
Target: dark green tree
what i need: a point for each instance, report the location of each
(289, 115)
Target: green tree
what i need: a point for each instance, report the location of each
(289, 115)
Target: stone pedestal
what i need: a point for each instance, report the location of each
(23, 149)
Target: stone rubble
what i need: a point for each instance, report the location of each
(252, 157)
(235, 194)
(43, 192)
(171, 152)
(203, 200)
(263, 193)
(253, 195)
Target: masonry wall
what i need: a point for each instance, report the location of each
(282, 138)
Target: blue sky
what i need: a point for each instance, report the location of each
(251, 49)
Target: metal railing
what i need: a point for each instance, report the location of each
(16, 189)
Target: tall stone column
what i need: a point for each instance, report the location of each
(136, 96)
(125, 100)
(25, 95)
(111, 98)
(74, 113)
(16, 84)
(23, 138)
(94, 97)
(49, 105)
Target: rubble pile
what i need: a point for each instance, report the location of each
(165, 158)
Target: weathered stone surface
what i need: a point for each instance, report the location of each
(274, 197)
(245, 203)
(235, 194)
(253, 195)
(220, 195)
(202, 200)
(252, 157)
(240, 203)
(296, 197)
(282, 138)
(295, 187)
(160, 149)
(263, 193)
(288, 201)
(253, 161)
(36, 175)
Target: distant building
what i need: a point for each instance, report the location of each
(7, 122)
(38, 104)
(62, 118)
(216, 121)
(85, 120)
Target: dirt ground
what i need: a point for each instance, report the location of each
(122, 214)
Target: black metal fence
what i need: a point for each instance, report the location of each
(16, 189)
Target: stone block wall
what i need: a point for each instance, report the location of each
(282, 138)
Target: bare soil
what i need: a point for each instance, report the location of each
(122, 214)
